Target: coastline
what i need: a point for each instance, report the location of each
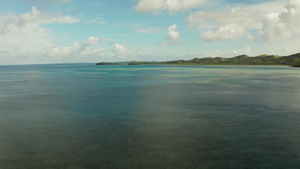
(263, 60)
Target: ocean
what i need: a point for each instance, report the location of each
(83, 116)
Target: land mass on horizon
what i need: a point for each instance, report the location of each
(290, 60)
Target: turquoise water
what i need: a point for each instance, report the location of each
(81, 116)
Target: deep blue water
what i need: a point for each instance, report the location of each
(82, 116)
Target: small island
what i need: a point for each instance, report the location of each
(108, 63)
(291, 60)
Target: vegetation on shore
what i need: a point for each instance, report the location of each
(291, 60)
(108, 63)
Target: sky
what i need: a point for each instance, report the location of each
(91, 31)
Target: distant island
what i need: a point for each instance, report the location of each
(291, 60)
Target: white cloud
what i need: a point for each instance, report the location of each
(246, 17)
(247, 51)
(173, 34)
(98, 20)
(85, 51)
(228, 32)
(283, 25)
(76, 49)
(121, 51)
(91, 40)
(148, 30)
(25, 40)
(25, 32)
(172, 6)
(66, 51)
(233, 22)
(173, 37)
(35, 17)
(149, 6)
(249, 16)
(45, 17)
(226, 24)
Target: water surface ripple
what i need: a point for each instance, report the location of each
(81, 116)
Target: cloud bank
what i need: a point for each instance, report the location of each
(282, 25)
(231, 23)
(172, 6)
(10, 23)
(227, 32)
(23, 39)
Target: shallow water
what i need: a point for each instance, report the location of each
(81, 116)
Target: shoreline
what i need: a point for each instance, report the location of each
(263, 60)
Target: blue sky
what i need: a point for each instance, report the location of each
(68, 31)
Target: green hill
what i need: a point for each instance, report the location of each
(243, 60)
(291, 60)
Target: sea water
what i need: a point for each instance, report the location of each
(83, 116)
